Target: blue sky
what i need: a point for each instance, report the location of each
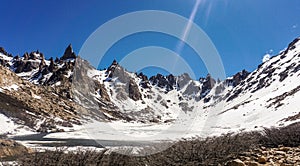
(242, 30)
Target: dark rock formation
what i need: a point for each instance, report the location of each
(117, 71)
(207, 84)
(237, 78)
(102, 91)
(145, 82)
(183, 80)
(133, 90)
(291, 45)
(69, 54)
(161, 81)
(2, 50)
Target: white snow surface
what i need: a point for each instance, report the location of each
(12, 87)
(7, 125)
(4, 57)
(10, 128)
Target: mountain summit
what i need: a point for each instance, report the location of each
(69, 53)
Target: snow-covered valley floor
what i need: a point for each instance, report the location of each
(99, 135)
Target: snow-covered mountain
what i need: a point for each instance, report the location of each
(28, 96)
(265, 97)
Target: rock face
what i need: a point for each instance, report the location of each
(161, 81)
(145, 82)
(69, 53)
(102, 91)
(115, 71)
(30, 104)
(2, 50)
(208, 84)
(134, 92)
(237, 78)
(170, 82)
(10, 148)
(292, 45)
(29, 62)
(183, 80)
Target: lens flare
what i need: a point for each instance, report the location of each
(187, 29)
(191, 20)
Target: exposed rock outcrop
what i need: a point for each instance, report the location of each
(237, 78)
(134, 92)
(28, 104)
(207, 84)
(69, 53)
(161, 81)
(145, 82)
(10, 148)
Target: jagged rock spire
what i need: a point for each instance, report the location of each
(2, 50)
(69, 53)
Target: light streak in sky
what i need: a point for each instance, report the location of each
(187, 29)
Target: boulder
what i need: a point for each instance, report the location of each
(10, 148)
(236, 162)
(262, 160)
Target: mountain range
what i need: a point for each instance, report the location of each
(54, 95)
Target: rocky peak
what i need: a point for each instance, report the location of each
(51, 66)
(34, 67)
(42, 64)
(237, 78)
(5, 58)
(2, 50)
(142, 76)
(33, 56)
(26, 56)
(240, 76)
(117, 71)
(183, 80)
(170, 82)
(208, 80)
(69, 53)
(112, 67)
(145, 82)
(115, 62)
(161, 81)
(24, 65)
(207, 84)
(292, 45)
(171, 79)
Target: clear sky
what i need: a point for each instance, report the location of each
(243, 31)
